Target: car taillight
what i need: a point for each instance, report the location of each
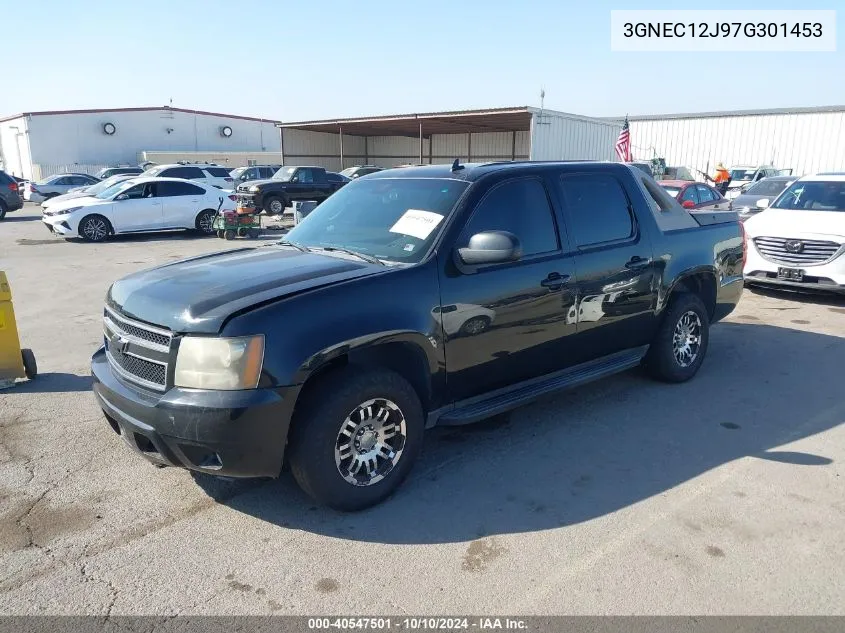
(13, 186)
(32, 188)
(233, 198)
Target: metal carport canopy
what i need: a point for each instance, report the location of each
(516, 119)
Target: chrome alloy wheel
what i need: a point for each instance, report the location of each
(370, 442)
(95, 229)
(205, 223)
(686, 340)
(276, 206)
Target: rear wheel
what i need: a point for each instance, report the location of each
(681, 343)
(205, 220)
(30, 367)
(94, 228)
(221, 233)
(228, 234)
(355, 437)
(274, 205)
(3, 209)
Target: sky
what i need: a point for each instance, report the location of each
(302, 60)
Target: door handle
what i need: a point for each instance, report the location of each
(637, 262)
(554, 281)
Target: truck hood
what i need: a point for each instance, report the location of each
(259, 183)
(199, 294)
(810, 225)
(749, 200)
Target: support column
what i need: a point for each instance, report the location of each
(340, 129)
(366, 150)
(513, 145)
(469, 147)
(421, 143)
(282, 143)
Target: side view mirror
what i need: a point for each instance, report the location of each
(688, 204)
(122, 196)
(763, 203)
(295, 179)
(491, 247)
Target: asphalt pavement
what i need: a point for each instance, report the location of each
(723, 495)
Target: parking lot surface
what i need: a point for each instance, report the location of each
(723, 495)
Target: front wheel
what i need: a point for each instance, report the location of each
(681, 343)
(30, 367)
(274, 205)
(205, 221)
(356, 437)
(94, 228)
(2, 210)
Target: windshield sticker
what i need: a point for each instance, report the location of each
(417, 223)
(409, 247)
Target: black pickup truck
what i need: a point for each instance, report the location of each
(288, 185)
(412, 298)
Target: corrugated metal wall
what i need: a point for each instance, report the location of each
(561, 137)
(228, 159)
(40, 171)
(805, 142)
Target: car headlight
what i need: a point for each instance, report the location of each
(253, 189)
(219, 363)
(66, 211)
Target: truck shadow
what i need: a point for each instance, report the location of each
(592, 451)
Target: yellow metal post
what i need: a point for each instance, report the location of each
(11, 358)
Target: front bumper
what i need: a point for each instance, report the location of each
(59, 225)
(828, 277)
(231, 433)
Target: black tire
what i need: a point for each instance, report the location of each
(2, 209)
(205, 220)
(475, 325)
(221, 233)
(661, 361)
(275, 205)
(253, 233)
(242, 232)
(317, 424)
(228, 234)
(94, 228)
(30, 367)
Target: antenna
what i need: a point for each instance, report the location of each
(542, 97)
(542, 107)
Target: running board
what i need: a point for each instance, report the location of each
(502, 400)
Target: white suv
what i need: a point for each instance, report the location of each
(799, 241)
(208, 174)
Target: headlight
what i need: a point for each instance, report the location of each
(254, 188)
(219, 363)
(65, 211)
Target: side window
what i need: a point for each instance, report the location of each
(520, 207)
(305, 176)
(193, 172)
(218, 172)
(266, 172)
(65, 180)
(598, 208)
(691, 194)
(179, 189)
(80, 180)
(183, 172)
(133, 193)
(705, 194)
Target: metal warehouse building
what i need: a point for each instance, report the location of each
(37, 144)
(806, 140)
(517, 133)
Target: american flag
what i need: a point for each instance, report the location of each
(623, 143)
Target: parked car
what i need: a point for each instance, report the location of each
(322, 351)
(760, 195)
(253, 172)
(212, 175)
(139, 205)
(799, 241)
(288, 185)
(360, 170)
(56, 185)
(695, 195)
(10, 197)
(83, 192)
(108, 172)
(744, 176)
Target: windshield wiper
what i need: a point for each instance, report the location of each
(298, 247)
(349, 251)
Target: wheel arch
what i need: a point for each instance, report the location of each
(701, 281)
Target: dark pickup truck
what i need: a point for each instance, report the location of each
(412, 298)
(288, 185)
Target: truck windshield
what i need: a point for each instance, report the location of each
(813, 196)
(285, 173)
(394, 219)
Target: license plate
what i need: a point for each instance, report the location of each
(791, 274)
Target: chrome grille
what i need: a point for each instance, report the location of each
(136, 351)
(784, 250)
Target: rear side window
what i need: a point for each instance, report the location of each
(705, 193)
(520, 207)
(218, 172)
(266, 172)
(183, 172)
(179, 189)
(690, 194)
(598, 208)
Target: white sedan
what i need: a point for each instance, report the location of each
(139, 205)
